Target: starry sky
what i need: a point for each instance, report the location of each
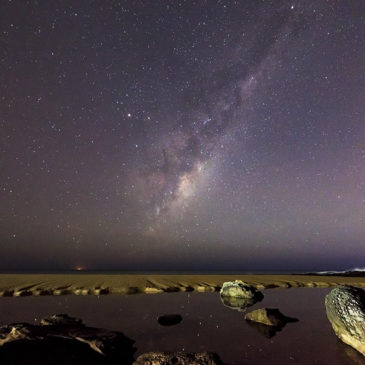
(182, 135)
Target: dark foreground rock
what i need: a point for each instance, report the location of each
(178, 358)
(63, 340)
(345, 308)
(169, 319)
(239, 295)
(268, 321)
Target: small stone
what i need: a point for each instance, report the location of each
(169, 319)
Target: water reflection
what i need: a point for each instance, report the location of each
(263, 329)
(240, 304)
(207, 325)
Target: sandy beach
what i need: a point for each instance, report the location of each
(93, 284)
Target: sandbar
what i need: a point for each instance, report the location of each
(102, 284)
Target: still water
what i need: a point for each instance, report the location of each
(207, 325)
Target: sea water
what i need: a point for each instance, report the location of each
(207, 325)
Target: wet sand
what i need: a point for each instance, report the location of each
(99, 284)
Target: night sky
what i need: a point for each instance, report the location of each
(182, 135)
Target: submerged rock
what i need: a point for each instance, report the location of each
(239, 295)
(345, 308)
(169, 319)
(269, 317)
(60, 334)
(178, 358)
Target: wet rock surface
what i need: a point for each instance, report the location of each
(178, 358)
(63, 340)
(169, 319)
(239, 289)
(345, 308)
(239, 295)
(269, 317)
(268, 321)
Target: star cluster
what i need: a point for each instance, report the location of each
(204, 135)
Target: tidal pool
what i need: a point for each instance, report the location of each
(207, 324)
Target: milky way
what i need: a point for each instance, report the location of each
(182, 135)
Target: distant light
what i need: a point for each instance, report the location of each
(79, 268)
(129, 115)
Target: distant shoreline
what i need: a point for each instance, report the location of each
(353, 273)
(100, 284)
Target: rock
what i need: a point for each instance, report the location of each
(345, 308)
(178, 358)
(169, 319)
(65, 332)
(269, 317)
(239, 289)
(239, 295)
(268, 321)
(150, 290)
(55, 351)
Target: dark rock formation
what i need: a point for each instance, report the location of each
(345, 307)
(178, 358)
(239, 295)
(169, 319)
(63, 340)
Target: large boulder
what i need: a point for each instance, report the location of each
(239, 295)
(345, 307)
(178, 358)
